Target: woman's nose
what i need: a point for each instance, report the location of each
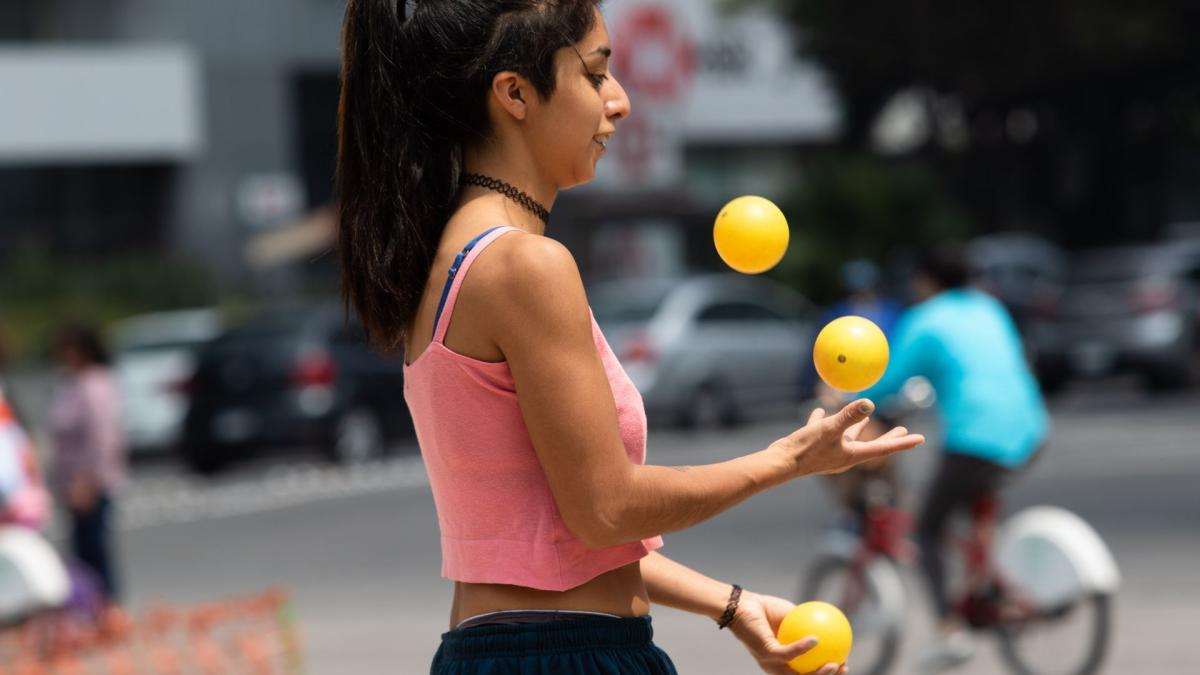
(617, 105)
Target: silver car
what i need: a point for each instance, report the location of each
(1024, 272)
(1126, 309)
(155, 356)
(708, 350)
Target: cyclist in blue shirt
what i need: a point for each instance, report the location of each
(994, 418)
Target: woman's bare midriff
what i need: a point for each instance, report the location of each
(621, 592)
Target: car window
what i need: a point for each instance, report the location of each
(737, 311)
(630, 306)
(163, 345)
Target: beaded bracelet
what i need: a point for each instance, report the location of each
(730, 609)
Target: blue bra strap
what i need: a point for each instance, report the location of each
(458, 259)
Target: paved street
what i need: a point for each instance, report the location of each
(358, 547)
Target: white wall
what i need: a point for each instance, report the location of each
(99, 104)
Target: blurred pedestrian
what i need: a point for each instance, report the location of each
(89, 449)
(458, 126)
(23, 496)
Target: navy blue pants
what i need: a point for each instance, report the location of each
(960, 480)
(586, 646)
(91, 542)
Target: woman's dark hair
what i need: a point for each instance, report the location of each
(946, 264)
(414, 94)
(84, 340)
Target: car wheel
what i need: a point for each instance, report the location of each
(358, 437)
(710, 407)
(204, 460)
(1177, 372)
(1052, 381)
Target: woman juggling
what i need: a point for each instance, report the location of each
(459, 123)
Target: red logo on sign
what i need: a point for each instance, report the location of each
(653, 57)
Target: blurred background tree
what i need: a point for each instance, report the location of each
(853, 205)
(38, 289)
(1079, 119)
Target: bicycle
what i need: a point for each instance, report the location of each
(1046, 567)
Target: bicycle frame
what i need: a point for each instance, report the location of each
(988, 600)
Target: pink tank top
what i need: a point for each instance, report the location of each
(499, 523)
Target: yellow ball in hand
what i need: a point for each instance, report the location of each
(751, 234)
(830, 627)
(850, 353)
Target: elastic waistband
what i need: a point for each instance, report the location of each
(527, 616)
(545, 637)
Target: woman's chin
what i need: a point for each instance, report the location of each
(582, 177)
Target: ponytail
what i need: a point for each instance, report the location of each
(414, 92)
(385, 157)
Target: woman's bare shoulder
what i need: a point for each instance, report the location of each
(528, 267)
(528, 280)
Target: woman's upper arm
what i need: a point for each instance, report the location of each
(543, 327)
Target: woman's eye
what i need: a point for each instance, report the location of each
(597, 80)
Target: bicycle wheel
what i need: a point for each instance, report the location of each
(872, 598)
(1071, 639)
(1062, 573)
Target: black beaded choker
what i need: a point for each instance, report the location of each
(508, 191)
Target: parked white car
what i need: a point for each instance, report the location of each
(154, 358)
(710, 349)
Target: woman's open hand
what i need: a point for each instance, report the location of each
(830, 444)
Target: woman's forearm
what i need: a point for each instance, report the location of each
(674, 585)
(617, 503)
(653, 500)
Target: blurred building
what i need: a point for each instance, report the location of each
(208, 127)
(164, 123)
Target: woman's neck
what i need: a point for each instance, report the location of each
(521, 175)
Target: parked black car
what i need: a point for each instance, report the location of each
(1126, 309)
(292, 377)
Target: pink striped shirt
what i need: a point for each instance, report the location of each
(499, 522)
(85, 428)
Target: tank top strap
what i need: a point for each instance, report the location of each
(458, 272)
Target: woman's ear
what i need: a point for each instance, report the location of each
(510, 91)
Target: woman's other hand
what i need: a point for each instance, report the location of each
(81, 495)
(756, 623)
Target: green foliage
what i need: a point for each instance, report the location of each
(858, 206)
(39, 291)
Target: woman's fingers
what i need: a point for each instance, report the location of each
(895, 433)
(856, 430)
(883, 446)
(855, 412)
(787, 652)
(816, 415)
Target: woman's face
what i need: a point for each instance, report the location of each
(570, 130)
(69, 356)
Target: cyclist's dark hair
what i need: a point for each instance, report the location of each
(84, 340)
(413, 95)
(946, 264)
